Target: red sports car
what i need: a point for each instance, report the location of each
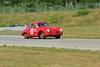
(41, 30)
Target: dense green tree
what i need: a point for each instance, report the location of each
(37, 4)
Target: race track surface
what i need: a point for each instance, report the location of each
(84, 44)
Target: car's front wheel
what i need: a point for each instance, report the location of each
(42, 36)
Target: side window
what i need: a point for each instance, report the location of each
(40, 24)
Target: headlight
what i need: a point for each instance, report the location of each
(48, 30)
(61, 30)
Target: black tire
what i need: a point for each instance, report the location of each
(41, 35)
(26, 36)
(57, 37)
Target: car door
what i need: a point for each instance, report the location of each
(32, 30)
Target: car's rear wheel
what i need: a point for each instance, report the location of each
(26, 36)
(57, 37)
(41, 35)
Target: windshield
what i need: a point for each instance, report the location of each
(31, 25)
(43, 24)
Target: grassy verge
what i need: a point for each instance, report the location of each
(10, 32)
(47, 57)
(82, 32)
(62, 18)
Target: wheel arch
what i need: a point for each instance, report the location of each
(24, 33)
(40, 32)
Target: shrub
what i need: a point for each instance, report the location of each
(4, 45)
(82, 12)
(54, 19)
(51, 19)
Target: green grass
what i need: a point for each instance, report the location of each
(10, 32)
(47, 57)
(62, 18)
(82, 32)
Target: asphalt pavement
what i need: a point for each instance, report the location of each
(84, 44)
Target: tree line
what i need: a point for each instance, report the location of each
(44, 5)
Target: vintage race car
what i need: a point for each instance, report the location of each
(41, 30)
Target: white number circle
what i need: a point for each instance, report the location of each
(32, 31)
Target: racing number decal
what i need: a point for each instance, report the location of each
(31, 31)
